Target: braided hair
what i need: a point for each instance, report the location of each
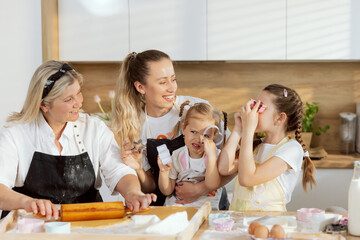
(288, 101)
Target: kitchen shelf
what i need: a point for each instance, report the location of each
(337, 160)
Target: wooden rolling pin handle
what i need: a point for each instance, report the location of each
(128, 210)
(40, 215)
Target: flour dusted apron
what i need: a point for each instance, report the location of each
(268, 196)
(61, 179)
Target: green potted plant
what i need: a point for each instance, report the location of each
(310, 110)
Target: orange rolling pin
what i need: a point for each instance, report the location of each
(92, 211)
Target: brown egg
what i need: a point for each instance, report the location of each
(261, 232)
(252, 227)
(277, 232)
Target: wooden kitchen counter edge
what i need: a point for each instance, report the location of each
(337, 161)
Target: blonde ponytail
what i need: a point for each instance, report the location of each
(128, 108)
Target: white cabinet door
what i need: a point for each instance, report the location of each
(323, 29)
(246, 29)
(177, 28)
(93, 30)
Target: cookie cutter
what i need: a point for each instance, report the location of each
(30, 225)
(141, 146)
(261, 108)
(57, 227)
(164, 154)
(212, 132)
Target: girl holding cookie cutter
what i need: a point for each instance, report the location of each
(267, 173)
(197, 160)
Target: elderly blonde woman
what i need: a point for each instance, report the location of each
(50, 153)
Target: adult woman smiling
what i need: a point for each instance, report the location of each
(147, 107)
(50, 153)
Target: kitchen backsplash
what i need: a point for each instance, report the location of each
(335, 85)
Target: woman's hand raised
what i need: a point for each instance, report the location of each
(131, 156)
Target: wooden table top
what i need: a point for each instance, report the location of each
(234, 215)
(204, 231)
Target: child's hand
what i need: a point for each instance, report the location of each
(162, 167)
(249, 116)
(131, 156)
(209, 148)
(238, 123)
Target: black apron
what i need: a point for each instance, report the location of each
(172, 145)
(60, 179)
(152, 155)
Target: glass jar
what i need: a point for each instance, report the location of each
(347, 132)
(353, 202)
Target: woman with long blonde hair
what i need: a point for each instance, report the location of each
(146, 107)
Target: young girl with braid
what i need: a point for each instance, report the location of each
(197, 160)
(267, 173)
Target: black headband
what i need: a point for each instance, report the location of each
(50, 82)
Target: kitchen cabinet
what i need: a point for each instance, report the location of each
(175, 27)
(323, 29)
(109, 30)
(246, 30)
(210, 29)
(93, 30)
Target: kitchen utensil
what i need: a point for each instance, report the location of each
(92, 211)
(164, 154)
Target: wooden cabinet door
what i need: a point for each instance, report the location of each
(246, 30)
(177, 28)
(93, 30)
(323, 29)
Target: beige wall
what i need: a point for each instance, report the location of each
(335, 85)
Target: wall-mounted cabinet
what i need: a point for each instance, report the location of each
(323, 29)
(210, 29)
(246, 30)
(93, 30)
(109, 30)
(175, 27)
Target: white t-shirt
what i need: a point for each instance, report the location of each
(18, 142)
(197, 164)
(185, 168)
(292, 153)
(161, 127)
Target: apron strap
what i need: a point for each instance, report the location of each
(282, 142)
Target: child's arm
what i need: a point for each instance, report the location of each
(166, 184)
(227, 161)
(212, 176)
(250, 174)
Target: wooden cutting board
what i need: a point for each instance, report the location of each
(196, 216)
